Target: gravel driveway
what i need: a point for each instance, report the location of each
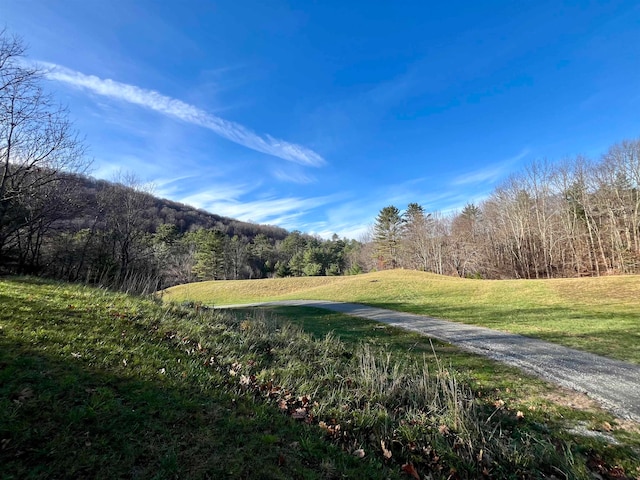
(613, 383)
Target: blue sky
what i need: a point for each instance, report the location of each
(314, 115)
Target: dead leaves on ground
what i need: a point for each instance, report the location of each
(303, 408)
(410, 470)
(297, 407)
(386, 453)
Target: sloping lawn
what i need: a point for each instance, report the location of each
(101, 385)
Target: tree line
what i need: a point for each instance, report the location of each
(577, 217)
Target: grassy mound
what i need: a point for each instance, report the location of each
(98, 384)
(599, 315)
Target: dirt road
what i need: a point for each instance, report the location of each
(613, 383)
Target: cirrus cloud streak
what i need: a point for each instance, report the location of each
(172, 107)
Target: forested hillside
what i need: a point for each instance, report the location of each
(117, 234)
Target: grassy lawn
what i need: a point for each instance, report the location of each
(96, 384)
(102, 385)
(600, 315)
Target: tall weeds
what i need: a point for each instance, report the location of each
(412, 411)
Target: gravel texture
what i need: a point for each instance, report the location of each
(613, 383)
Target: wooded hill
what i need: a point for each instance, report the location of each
(120, 235)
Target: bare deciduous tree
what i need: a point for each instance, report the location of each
(37, 144)
(124, 204)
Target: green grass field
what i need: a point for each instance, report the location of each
(600, 315)
(95, 384)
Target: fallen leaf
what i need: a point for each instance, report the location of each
(359, 453)
(385, 452)
(410, 470)
(443, 429)
(519, 415)
(299, 414)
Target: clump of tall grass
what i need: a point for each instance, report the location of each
(416, 412)
(135, 282)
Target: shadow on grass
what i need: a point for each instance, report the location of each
(62, 421)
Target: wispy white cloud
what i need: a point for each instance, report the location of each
(166, 187)
(217, 195)
(353, 218)
(355, 230)
(350, 218)
(129, 163)
(490, 173)
(487, 174)
(278, 211)
(105, 170)
(454, 202)
(162, 182)
(188, 113)
(293, 177)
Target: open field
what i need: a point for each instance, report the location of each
(600, 315)
(98, 384)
